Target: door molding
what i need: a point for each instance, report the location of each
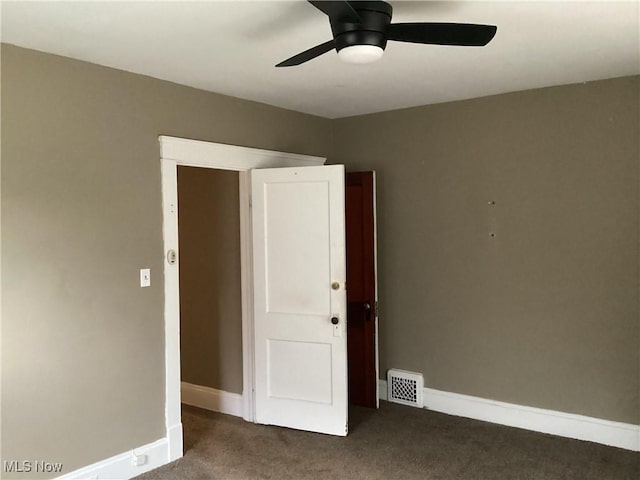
(176, 151)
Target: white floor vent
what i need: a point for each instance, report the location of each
(405, 388)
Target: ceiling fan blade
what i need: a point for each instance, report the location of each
(463, 34)
(338, 11)
(308, 54)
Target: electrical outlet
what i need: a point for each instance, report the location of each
(139, 460)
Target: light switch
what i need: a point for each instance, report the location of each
(145, 277)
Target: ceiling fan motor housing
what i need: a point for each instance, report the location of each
(375, 16)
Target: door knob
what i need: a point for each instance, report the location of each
(335, 320)
(366, 306)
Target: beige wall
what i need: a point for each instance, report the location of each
(82, 343)
(546, 313)
(210, 298)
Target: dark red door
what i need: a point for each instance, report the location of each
(361, 289)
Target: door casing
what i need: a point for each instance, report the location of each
(176, 151)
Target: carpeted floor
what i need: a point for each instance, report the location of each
(395, 442)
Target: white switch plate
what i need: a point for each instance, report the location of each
(145, 277)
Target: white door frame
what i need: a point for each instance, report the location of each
(179, 151)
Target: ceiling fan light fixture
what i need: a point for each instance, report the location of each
(360, 54)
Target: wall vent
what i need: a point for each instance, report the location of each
(405, 387)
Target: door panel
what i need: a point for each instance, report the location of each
(299, 370)
(288, 248)
(361, 292)
(299, 253)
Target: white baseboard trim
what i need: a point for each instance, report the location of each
(606, 432)
(121, 466)
(175, 442)
(212, 399)
(382, 389)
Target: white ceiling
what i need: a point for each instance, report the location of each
(231, 48)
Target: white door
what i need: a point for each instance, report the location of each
(300, 298)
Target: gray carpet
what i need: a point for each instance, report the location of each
(393, 442)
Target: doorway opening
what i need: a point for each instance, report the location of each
(179, 151)
(210, 289)
(176, 153)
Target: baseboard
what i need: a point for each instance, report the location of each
(175, 442)
(121, 466)
(606, 432)
(211, 399)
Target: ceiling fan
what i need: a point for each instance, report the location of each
(361, 30)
